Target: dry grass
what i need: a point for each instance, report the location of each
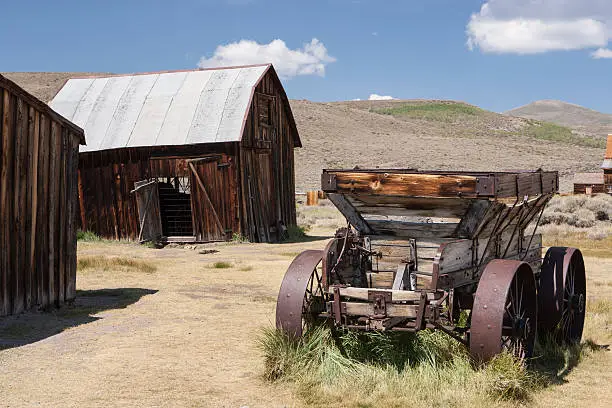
(115, 264)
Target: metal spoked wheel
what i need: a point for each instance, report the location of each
(504, 314)
(301, 297)
(562, 295)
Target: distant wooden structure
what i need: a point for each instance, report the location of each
(607, 166)
(596, 183)
(588, 183)
(38, 202)
(190, 156)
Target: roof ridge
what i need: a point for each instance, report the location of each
(170, 71)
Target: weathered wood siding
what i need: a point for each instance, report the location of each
(581, 188)
(38, 202)
(267, 162)
(251, 185)
(106, 179)
(608, 180)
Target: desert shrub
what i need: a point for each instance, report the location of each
(584, 218)
(579, 211)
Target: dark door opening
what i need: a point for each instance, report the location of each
(175, 206)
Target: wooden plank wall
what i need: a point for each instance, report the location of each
(267, 163)
(596, 188)
(38, 202)
(106, 179)
(220, 180)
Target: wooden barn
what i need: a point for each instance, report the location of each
(38, 202)
(189, 156)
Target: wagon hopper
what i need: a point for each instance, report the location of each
(452, 251)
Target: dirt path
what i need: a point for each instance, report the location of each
(180, 336)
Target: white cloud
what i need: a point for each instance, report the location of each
(309, 60)
(530, 27)
(376, 97)
(602, 53)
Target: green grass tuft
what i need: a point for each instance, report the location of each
(238, 238)
(295, 233)
(221, 265)
(87, 236)
(329, 368)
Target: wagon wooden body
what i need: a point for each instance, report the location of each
(452, 251)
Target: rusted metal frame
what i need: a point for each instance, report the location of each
(201, 184)
(521, 220)
(333, 269)
(453, 334)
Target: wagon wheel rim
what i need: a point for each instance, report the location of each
(301, 297)
(517, 331)
(562, 295)
(504, 312)
(574, 300)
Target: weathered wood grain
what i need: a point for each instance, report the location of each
(35, 198)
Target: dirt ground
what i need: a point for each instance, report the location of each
(184, 335)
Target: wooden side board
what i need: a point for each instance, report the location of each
(438, 185)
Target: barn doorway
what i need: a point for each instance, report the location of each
(171, 175)
(175, 206)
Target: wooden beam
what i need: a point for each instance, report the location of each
(398, 184)
(350, 213)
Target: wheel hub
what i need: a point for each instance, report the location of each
(576, 302)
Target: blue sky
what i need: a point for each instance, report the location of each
(519, 50)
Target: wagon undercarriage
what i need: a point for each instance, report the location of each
(456, 252)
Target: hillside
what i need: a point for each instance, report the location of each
(587, 121)
(421, 134)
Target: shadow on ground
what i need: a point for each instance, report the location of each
(30, 327)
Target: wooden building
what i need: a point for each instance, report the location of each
(596, 183)
(38, 202)
(185, 156)
(588, 183)
(607, 167)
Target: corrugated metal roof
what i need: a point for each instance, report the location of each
(607, 164)
(588, 178)
(157, 109)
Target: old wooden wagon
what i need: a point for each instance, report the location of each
(38, 202)
(452, 251)
(188, 156)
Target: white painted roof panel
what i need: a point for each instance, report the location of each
(158, 109)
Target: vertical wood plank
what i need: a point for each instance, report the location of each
(5, 202)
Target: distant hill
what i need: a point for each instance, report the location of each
(584, 120)
(423, 134)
